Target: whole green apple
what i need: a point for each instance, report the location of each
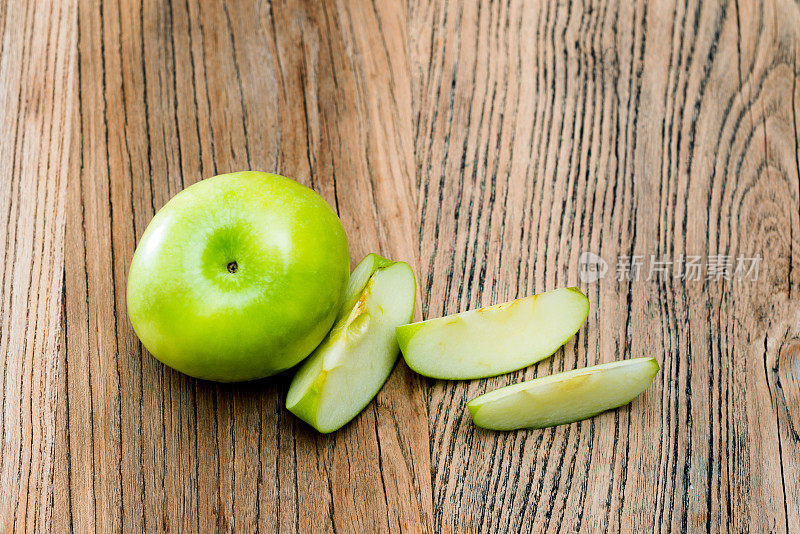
(238, 277)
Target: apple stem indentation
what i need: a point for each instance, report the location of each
(233, 267)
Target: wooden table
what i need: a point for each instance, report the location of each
(490, 144)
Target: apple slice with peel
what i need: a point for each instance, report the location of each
(358, 281)
(351, 364)
(494, 340)
(564, 397)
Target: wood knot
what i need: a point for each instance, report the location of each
(788, 381)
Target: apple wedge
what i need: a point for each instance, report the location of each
(352, 363)
(564, 397)
(494, 340)
(358, 281)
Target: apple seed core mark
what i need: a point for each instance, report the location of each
(233, 267)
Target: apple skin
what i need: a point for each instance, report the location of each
(349, 368)
(563, 398)
(496, 339)
(291, 271)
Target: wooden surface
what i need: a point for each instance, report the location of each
(487, 143)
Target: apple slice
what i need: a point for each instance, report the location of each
(564, 397)
(358, 281)
(494, 340)
(351, 364)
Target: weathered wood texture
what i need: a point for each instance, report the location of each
(623, 128)
(487, 143)
(172, 93)
(37, 65)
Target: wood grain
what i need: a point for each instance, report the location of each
(487, 143)
(37, 57)
(547, 129)
(172, 93)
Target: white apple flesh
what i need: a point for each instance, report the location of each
(358, 281)
(351, 365)
(494, 340)
(564, 397)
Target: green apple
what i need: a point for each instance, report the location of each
(351, 365)
(564, 397)
(494, 340)
(238, 277)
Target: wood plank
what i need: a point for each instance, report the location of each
(489, 144)
(37, 54)
(172, 93)
(546, 129)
